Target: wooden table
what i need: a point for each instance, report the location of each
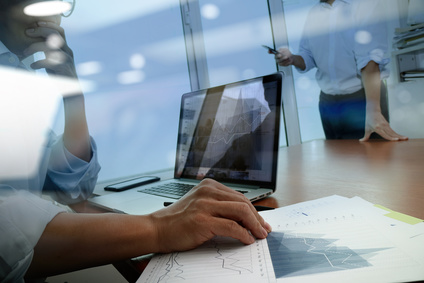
(386, 173)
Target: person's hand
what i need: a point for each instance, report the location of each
(375, 122)
(209, 209)
(59, 57)
(284, 57)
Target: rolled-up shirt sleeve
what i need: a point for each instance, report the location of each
(306, 53)
(375, 50)
(371, 36)
(70, 179)
(308, 33)
(23, 218)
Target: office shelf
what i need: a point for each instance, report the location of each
(410, 61)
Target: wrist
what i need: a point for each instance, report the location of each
(298, 62)
(154, 233)
(372, 106)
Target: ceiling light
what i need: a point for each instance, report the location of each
(47, 8)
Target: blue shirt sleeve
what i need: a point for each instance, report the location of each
(70, 179)
(306, 54)
(371, 35)
(305, 50)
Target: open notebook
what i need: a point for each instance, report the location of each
(229, 133)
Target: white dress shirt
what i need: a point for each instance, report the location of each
(341, 39)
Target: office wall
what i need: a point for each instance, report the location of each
(406, 106)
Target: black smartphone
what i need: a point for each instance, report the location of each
(129, 184)
(270, 50)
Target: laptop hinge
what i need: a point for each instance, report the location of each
(232, 185)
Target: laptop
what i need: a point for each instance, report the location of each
(228, 133)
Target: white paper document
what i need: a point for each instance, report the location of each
(331, 239)
(219, 260)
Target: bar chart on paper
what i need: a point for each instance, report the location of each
(303, 254)
(312, 243)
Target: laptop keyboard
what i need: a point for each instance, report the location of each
(170, 190)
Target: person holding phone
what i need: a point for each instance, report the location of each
(346, 41)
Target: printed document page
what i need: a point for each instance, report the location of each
(325, 239)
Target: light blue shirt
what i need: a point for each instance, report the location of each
(23, 213)
(7, 58)
(340, 40)
(23, 218)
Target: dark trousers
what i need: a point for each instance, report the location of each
(343, 116)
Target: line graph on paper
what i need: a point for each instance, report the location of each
(218, 258)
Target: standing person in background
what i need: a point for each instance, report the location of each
(346, 41)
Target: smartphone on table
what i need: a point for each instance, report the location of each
(132, 183)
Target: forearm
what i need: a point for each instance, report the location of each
(76, 241)
(374, 119)
(76, 136)
(298, 62)
(372, 84)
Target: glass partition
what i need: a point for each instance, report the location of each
(306, 88)
(234, 32)
(231, 38)
(131, 61)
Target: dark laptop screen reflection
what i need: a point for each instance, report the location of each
(235, 136)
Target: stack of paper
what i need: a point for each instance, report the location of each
(405, 37)
(333, 239)
(412, 75)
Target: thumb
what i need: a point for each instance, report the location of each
(366, 136)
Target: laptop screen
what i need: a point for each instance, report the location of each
(230, 133)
